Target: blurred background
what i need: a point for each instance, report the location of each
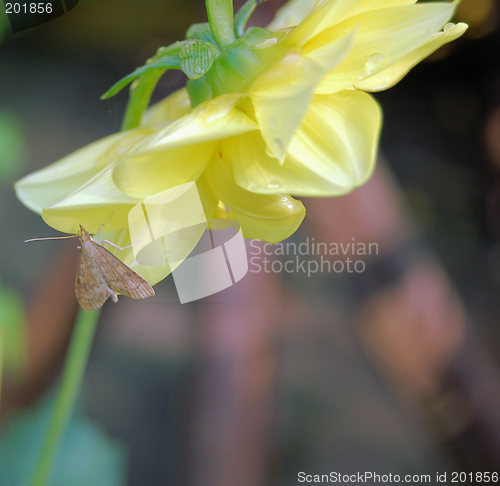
(395, 370)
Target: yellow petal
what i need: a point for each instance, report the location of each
(343, 9)
(180, 152)
(367, 5)
(332, 54)
(280, 105)
(210, 201)
(46, 186)
(395, 72)
(97, 202)
(291, 14)
(383, 37)
(269, 218)
(146, 174)
(325, 14)
(333, 150)
(172, 107)
(211, 120)
(167, 226)
(281, 95)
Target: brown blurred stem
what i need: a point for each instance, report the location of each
(233, 416)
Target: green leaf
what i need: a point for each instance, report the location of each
(196, 58)
(86, 456)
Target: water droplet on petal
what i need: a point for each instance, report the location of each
(448, 26)
(273, 121)
(373, 63)
(274, 185)
(278, 145)
(287, 202)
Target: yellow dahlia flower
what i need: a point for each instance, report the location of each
(273, 113)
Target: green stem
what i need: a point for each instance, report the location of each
(220, 17)
(1, 365)
(140, 95)
(71, 379)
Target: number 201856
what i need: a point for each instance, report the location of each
(28, 8)
(477, 477)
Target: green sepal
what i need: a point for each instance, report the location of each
(236, 68)
(244, 13)
(260, 38)
(199, 90)
(202, 32)
(165, 58)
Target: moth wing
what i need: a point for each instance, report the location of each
(90, 287)
(119, 277)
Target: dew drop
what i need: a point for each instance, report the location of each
(448, 26)
(278, 145)
(274, 185)
(373, 63)
(287, 202)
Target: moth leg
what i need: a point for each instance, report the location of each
(116, 246)
(103, 225)
(99, 232)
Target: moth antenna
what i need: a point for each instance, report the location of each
(51, 238)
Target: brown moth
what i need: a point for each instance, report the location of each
(100, 275)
